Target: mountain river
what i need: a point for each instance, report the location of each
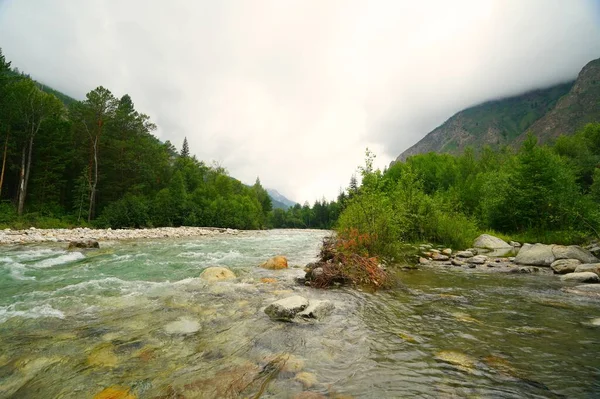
(134, 320)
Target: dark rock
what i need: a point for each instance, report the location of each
(84, 244)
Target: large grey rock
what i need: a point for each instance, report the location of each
(490, 242)
(564, 266)
(287, 308)
(583, 277)
(574, 252)
(535, 255)
(316, 310)
(589, 267)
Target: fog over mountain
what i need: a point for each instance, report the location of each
(294, 91)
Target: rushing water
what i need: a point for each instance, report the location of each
(134, 316)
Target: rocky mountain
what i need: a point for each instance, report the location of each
(560, 109)
(574, 110)
(279, 201)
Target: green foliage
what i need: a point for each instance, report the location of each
(540, 194)
(99, 157)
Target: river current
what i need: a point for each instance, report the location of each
(134, 320)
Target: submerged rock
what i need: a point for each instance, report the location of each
(486, 241)
(564, 266)
(103, 356)
(275, 263)
(287, 308)
(535, 255)
(83, 244)
(462, 361)
(217, 274)
(115, 393)
(589, 290)
(581, 277)
(308, 380)
(183, 326)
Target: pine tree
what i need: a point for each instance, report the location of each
(185, 150)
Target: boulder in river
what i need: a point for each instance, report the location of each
(286, 309)
(535, 255)
(589, 267)
(217, 274)
(84, 244)
(316, 310)
(275, 263)
(486, 241)
(573, 252)
(582, 277)
(564, 266)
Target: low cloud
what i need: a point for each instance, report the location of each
(294, 91)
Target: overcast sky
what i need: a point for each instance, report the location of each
(294, 91)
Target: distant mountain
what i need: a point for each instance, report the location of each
(547, 113)
(573, 111)
(279, 201)
(493, 123)
(66, 99)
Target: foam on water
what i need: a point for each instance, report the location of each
(7, 312)
(59, 260)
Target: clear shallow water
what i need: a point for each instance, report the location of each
(135, 315)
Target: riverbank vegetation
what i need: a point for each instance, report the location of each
(548, 194)
(67, 163)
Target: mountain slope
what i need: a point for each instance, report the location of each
(573, 111)
(493, 123)
(279, 201)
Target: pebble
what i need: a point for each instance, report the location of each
(8, 236)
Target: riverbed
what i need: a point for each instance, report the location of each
(134, 319)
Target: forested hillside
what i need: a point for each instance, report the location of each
(547, 113)
(494, 123)
(96, 161)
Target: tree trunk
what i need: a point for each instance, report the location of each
(94, 182)
(4, 160)
(21, 200)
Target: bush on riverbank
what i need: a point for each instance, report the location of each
(547, 194)
(344, 260)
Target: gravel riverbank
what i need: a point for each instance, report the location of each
(34, 235)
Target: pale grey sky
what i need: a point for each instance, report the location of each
(294, 91)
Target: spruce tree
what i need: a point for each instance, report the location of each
(185, 150)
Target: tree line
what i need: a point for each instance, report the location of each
(96, 162)
(548, 194)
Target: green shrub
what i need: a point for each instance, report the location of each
(130, 211)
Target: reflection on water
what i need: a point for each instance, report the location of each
(134, 320)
